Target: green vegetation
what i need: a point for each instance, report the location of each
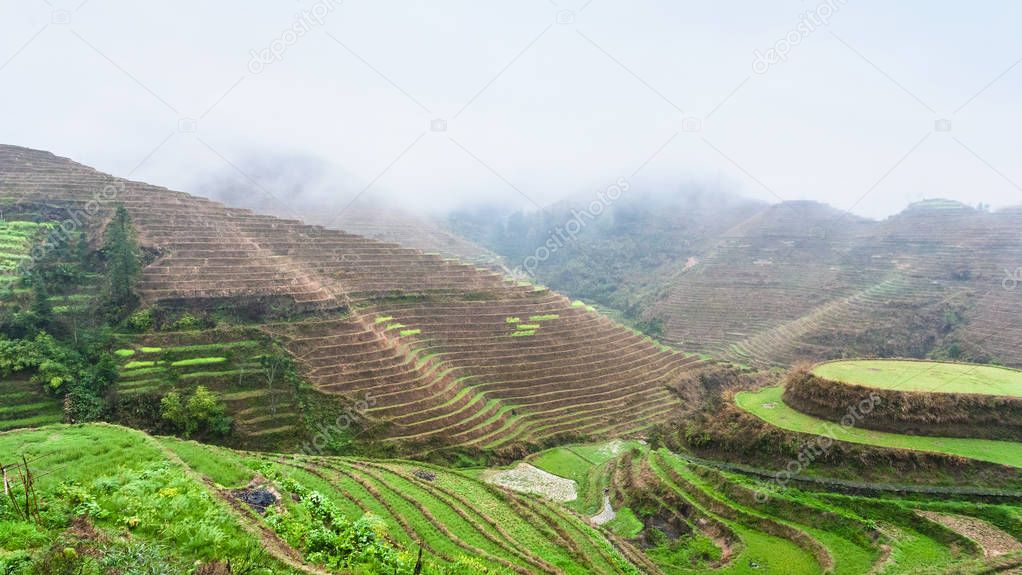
(201, 412)
(625, 523)
(527, 326)
(137, 364)
(513, 320)
(904, 375)
(767, 405)
(112, 497)
(124, 352)
(523, 333)
(384, 318)
(408, 332)
(120, 248)
(544, 317)
(198, 361)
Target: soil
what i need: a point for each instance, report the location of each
(992, 540)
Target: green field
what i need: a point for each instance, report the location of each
(901, 375)
(767, 405)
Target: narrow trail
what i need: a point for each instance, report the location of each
(605, 516)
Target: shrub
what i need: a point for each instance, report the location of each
(203, 412)
(141, 320)
(186, 322)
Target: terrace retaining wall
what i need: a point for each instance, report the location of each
(907, 412)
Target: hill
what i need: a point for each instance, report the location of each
(435, 351)
(610, 251)
(799, 280)
(909, 286)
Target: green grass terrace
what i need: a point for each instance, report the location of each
(924, 376)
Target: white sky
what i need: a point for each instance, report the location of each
(534, 107)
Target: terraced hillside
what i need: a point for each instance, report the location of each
(434, 346)
(803, 281)
(123, 499)
(692, 516)
(266, 409)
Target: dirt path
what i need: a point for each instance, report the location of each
(992, 540)
(605, 516)
(526, 478)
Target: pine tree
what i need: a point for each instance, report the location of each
(123, 268)
(41, 307)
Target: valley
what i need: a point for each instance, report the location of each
(189, 387)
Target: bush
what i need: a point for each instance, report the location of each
(187, 322)
(202, 412)
(141, 320)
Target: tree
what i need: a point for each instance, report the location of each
(120, 247)
(203, 411)
(41, 309)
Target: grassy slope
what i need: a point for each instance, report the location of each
(139, 495)
(454, 515)
(767, 405)
(925, 376)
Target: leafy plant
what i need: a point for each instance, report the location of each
(187, 322)
(202, 411)
(141, 320)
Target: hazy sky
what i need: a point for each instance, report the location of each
(834, 101)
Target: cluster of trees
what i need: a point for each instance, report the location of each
(199, 412)
(68, 354)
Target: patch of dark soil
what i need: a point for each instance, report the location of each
(258, 498)
(424, 475)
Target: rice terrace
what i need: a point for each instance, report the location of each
(510, 288)
(925, 376)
